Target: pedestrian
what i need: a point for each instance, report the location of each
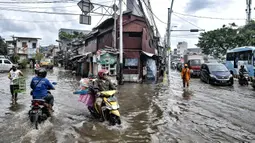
(13, 75)
(31, 64)
(144, 73)
(37, 67)
(185, 74)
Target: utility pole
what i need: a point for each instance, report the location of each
(248, 10)
(169, 37)
(121, 43)
(114, 26)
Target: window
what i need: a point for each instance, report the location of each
(7, 62)
(24, 44)
(195, 62)
(1, 61)
(34, 45)
(134, 34)
(218, 68)
(230, 57)
(131, 64)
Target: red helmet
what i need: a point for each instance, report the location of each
(102, 72)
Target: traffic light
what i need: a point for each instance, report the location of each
(194, 30)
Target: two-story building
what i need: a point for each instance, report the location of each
(24, 47)
(139, 46)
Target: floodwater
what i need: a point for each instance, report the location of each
(156, 113)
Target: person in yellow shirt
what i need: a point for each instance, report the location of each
(185, 74)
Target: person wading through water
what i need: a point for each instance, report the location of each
(14, 74)
(185, 74)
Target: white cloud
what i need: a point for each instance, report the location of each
(30, 24)
(214, 8)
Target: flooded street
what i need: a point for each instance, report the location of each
(156, 113)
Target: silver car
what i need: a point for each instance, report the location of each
(5, 64)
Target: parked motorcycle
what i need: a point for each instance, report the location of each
(243, 79)
(110, 106)
(39, 111)
(253, 83)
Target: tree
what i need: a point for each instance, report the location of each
(3, 47)
(69, 37)
(38, 56)
(217, 42)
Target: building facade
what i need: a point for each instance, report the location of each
(24, 47)
(181, 48)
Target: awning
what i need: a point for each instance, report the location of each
(75, 57)
(148, 54)
(84, 56)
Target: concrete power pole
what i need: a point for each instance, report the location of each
(121, 43)
(169, 37)
(248, 10)
(115, 25)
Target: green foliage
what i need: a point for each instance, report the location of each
(24, 63)
(67, 36)
(15, 58)
(3, 47)
(217, 42)
(39, 56)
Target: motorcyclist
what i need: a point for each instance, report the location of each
(40, 85)
(102, 84)
(242, 70)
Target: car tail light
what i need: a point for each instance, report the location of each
(36, 104)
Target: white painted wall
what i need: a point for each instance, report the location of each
(30, 51)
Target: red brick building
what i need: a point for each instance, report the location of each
(139, 46)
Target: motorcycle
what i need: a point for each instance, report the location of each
(39, 111)
(243, 79)
(109, 107)
(253, 83)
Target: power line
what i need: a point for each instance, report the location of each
(22, 7)
(185, 35)
(206, 17)
(30, 11)
(102, 16)
(153, 13)
(187, 21)
(36, 21)
(35, 2)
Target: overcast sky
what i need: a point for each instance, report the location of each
(46, 26)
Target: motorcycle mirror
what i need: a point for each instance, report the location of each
(54, 83)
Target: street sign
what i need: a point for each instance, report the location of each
(86, 6)
(115, 7)
(84, 19)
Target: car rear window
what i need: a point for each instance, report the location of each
(219, 68)
(195, 62)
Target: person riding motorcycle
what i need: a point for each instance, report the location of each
(40, 85)
(242, 70)
(102, 84)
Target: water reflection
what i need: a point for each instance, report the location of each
(187, 94)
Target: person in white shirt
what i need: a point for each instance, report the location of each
(14, 74)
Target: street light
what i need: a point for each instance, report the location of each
(190, 30)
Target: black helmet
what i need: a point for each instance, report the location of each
(42, 73)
